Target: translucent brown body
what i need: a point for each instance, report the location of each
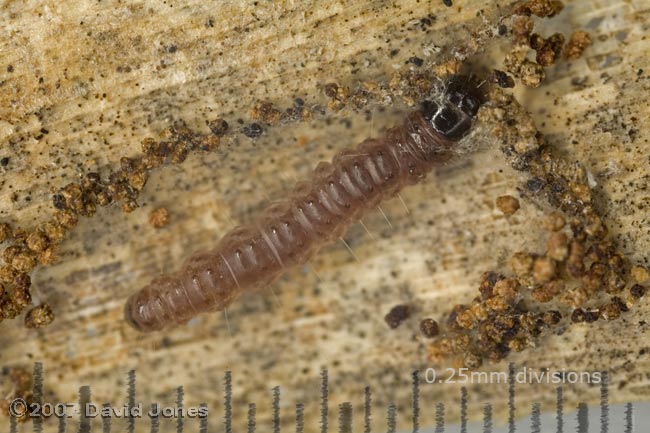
(318, 212)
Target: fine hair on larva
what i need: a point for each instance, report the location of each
(316, 213)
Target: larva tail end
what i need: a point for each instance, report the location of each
(128, 316)
(133, 310)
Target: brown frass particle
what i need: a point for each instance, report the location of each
(544, 269)
(397, 315)
(531, 323)
(575, 263)
(522, 26)
(129, 206)
(159, 217)
(20, 236)
(209, 143)
(331, 90)
(615, 283)
(499, 303)
(8, 308)
(21, 297)
(575, 297)
(535, 185)
(253, 130)
(507, 204)
(10, 252)
(638, 273)
(338, 96)
(548, 50)
(429, 328)
(37, 241)
(502, 79)
(472, 360)
(530, 73)
(591, 316)
(24, 262)
(540, 8)
(517, 344)
(610, 311)
(453, 314)
(620, 303)
(486, 286)
(551, 317)
(592, 280)
(617, 262)
(461, 342)
(506, 288)
(5, 231)
(548, 291)
(557, 246)
(39, 316)
(466, 319)
(58, 201)
(53, 231)
(479, 310)
(266, 112)
(439, 349)
(499, 353)
(360, 99)
(7, 274)
(554, 222)
(637, 291)
(4, 161)
(501, 327)
(578, 315)
(334, 91)
(48, 256)
(578, 42)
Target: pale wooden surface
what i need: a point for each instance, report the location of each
(431, 258)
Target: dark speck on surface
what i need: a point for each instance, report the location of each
(397, 315)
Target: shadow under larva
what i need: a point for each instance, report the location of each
(317, 212)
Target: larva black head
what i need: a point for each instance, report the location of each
(452, 115)
(464, 92)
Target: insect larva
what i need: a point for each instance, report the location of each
(318, 212)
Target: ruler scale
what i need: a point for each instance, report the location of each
(300, 418)
(180, 394)
(106, 420)
(345, 417)
(227, 401)
(487, 418)
(252, 410)
(345, 422)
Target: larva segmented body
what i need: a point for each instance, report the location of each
(317, 212)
